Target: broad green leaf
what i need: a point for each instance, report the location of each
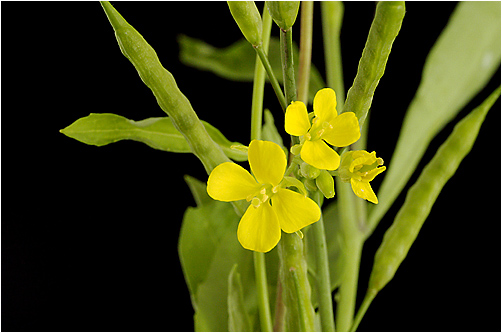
(208, 249)
(100, 129)
(459, 65)
(236, 62)
(238, 320)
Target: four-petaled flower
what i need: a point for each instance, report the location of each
(337, 130)
(273, 207)
(359, 168)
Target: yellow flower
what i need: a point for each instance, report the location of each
(327, 126)
(273, 207)
(359, 168)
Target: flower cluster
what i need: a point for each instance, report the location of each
(274, 205)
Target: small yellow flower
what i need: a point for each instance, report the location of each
(359, 168)
(327, 126)
(273, 207)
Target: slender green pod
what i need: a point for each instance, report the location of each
(384, 30)
(248, 18)
(165, 90)
(422, 195)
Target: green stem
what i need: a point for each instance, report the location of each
(271, 77)
(262, 289)
(295, 286)
(332, 17)
(323, 276)
(256, 126)
(362, 310)
(353, 241)
(288, 69)
(305, 57)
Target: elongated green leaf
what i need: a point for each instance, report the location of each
(236, 62)
(238, 320)
(208, 249)
(100, 129)
(462, 61)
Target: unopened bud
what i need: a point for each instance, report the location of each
(326, 184)
(308, 171)
(248, 19)
(283, 12)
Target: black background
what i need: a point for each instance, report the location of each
(89, 235)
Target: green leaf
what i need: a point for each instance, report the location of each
(208, 249)
(100, 129)
(236, 62)
(460, 64)
(238, 320)
(269, 131)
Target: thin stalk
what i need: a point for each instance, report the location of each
(323, 276)
(304, 62)
(353, 240)
(288, 69)
(256, 126)
(332, 17)
(262, 289)
(362, 310)
(271, 77)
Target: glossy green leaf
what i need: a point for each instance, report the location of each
(100, 129)
(208, 249)
(462, 61)
(236, 62)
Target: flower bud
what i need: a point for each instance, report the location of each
(310, 185)
(283, 12)
(308, 171)
(248, 19)
(326, 184)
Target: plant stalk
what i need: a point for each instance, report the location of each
(271, 77)
(256, 126)
(332, 17)
(305, 58)
(323, 276)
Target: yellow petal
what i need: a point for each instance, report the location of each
(363, 190)
(230, 182)
(259, 228)
(297, 121)
(294, 211)
(373, 173)
(345, 130)
(267, 161)
(318, 154)
(325, 105)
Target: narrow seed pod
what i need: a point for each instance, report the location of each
(422, 195)
(283, 13)
(165, 90)
(248, 18)
(384, 29)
